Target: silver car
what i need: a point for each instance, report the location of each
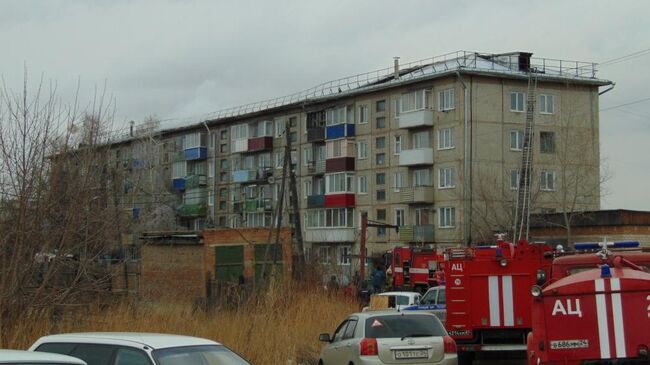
(15, 357)
(389, 337)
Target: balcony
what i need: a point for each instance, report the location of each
(338, 234)
(192, 210)
(249, 176)
(340, 200)
(239, 145)
(178, 156)
(339, 131)
(258, 205)
(415, 157)
(260, 144)
(316, 201)
(316, 167)
(196, 153)
(315, 134)
(178, 183)
(416, 195)
(194, 181)
(420, 233)
(415, 119)
(339, 164)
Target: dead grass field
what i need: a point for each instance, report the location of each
(280, 327)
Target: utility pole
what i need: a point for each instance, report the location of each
(362, 243)
(293, 199)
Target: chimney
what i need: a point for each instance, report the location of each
(131, 128)
(396, 67)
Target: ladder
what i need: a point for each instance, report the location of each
(522, 211)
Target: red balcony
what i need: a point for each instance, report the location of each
(340, 200)
(339, 164)
(260, 144)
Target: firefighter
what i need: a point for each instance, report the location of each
(378, 279)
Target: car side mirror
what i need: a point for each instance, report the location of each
(324, 337)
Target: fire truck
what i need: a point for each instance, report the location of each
(595, 315)
(488, 294)
(413, 268)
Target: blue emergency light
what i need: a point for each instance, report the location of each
(597, 245)
(605, 271)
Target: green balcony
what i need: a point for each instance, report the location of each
(192, 210)
(258, 205)
(421, 233)
(195, 181)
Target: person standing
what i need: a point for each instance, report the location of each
(378, 279)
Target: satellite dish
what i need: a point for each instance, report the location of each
(271, 179)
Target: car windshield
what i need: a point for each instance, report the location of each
(429, 297)
(398, 300)
(398, 325)
(198, 355)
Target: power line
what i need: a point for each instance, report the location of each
(626, 57)
(626, 104)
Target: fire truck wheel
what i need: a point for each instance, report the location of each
(465, 358)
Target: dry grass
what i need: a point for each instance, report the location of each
(280, 326)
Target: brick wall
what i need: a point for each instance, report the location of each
(172, 272)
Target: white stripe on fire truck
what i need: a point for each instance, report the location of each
(601, 311)
(508, 308)
(415, 270)
(399, 269)
(495, 311)
(617, 310)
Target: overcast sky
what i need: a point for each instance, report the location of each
(178, 59)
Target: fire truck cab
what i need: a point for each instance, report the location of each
(488, 294)
(414, 268)
(598, 316)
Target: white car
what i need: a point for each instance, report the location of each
(400, 299)
(126, 348)
(15, 357)
(389, 337)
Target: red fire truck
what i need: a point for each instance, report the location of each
(414, 268)
(595, 308)
(488, 294)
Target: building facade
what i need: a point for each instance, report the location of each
(433, 147)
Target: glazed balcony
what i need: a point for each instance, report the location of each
(196, 153)
(258, 144)
(316, 201)
(258, 205)
(195, 181)
(315, 134)
(339, 131)
(416, 157)
(416, 119)
(420, 233)
(340, 200)
(178, 183)
(416, 195)
(316, 167)
(192, 210)
(339, 164)
(338, 234)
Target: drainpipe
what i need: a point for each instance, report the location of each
(606, 90)
(467, 166)
(214, 174)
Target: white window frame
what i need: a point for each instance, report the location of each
(417, 177)
(324, 255)
(446, 139)
(447, 217)
(519, 102)
(547, 182)
(446, 99)
(397, 145)
(414, 100)
(280, 127)
(417, 142)
(344, 186)
(308, 188)
(518, 138)
(363, 184)
(514, 179)
(446, 178)
(279, 159)
(362, 152)
(544, 104)
(399, 217)
(308, 155)
(398, 181)
(344, 255)
(363, 116)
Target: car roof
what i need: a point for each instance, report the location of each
(405, 293)
(17, 356)
(392, 312)
(134, 339)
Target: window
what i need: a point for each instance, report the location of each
(414, 100)
(446, 100)
(339, 183)
(399, 217)
(517, 103)
(222, 205)
(421, 140)
(193, 140)
(264, 160)
(548, 180)
(363, 184)
(362, 152)
(344, 259)
(213, 138)
(223, 176)
(421, 216)
(308, 188)
(422, 177)
(380, 106)
(516, 140)
(339, 148)
(381, 195)
(381, 232)
(547, 142)
(546, 104)
(514, 179)
(447, 217)
(260, 219)
(211, 198)
(380, 178)
(293, 137)
(381, 214)
(239, 131)
(446, 138)
(381, 122)
(307, 155)
(223, 164)
(279, 160)
(340, 115)
(398, 145)
(223, 148)
(263, 129)
(363, 114)
(224, 134)
(398, 180)
(293, 122)
(397, 107)
(381, 158)
(446, 178)
(324, 257)
(330, 218)
(126, 356)
(380, 142)
(279, 128)
(179, 169)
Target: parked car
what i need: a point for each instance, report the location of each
(115, 348)
(389, 337)
(400, 299)
(16, 357)
(434, 301)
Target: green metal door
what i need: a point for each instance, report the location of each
(229, 263)
(260, 251)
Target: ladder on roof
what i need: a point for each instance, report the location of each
(522, 211)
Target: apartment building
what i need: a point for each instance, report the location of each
(433, 147)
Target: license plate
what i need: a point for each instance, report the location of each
(411, 354)
(569, 344)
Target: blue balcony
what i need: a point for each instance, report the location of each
(179, 183)
(196, 153)
(339, 131)
(242, 176)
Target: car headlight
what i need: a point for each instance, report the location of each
(536, 291)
